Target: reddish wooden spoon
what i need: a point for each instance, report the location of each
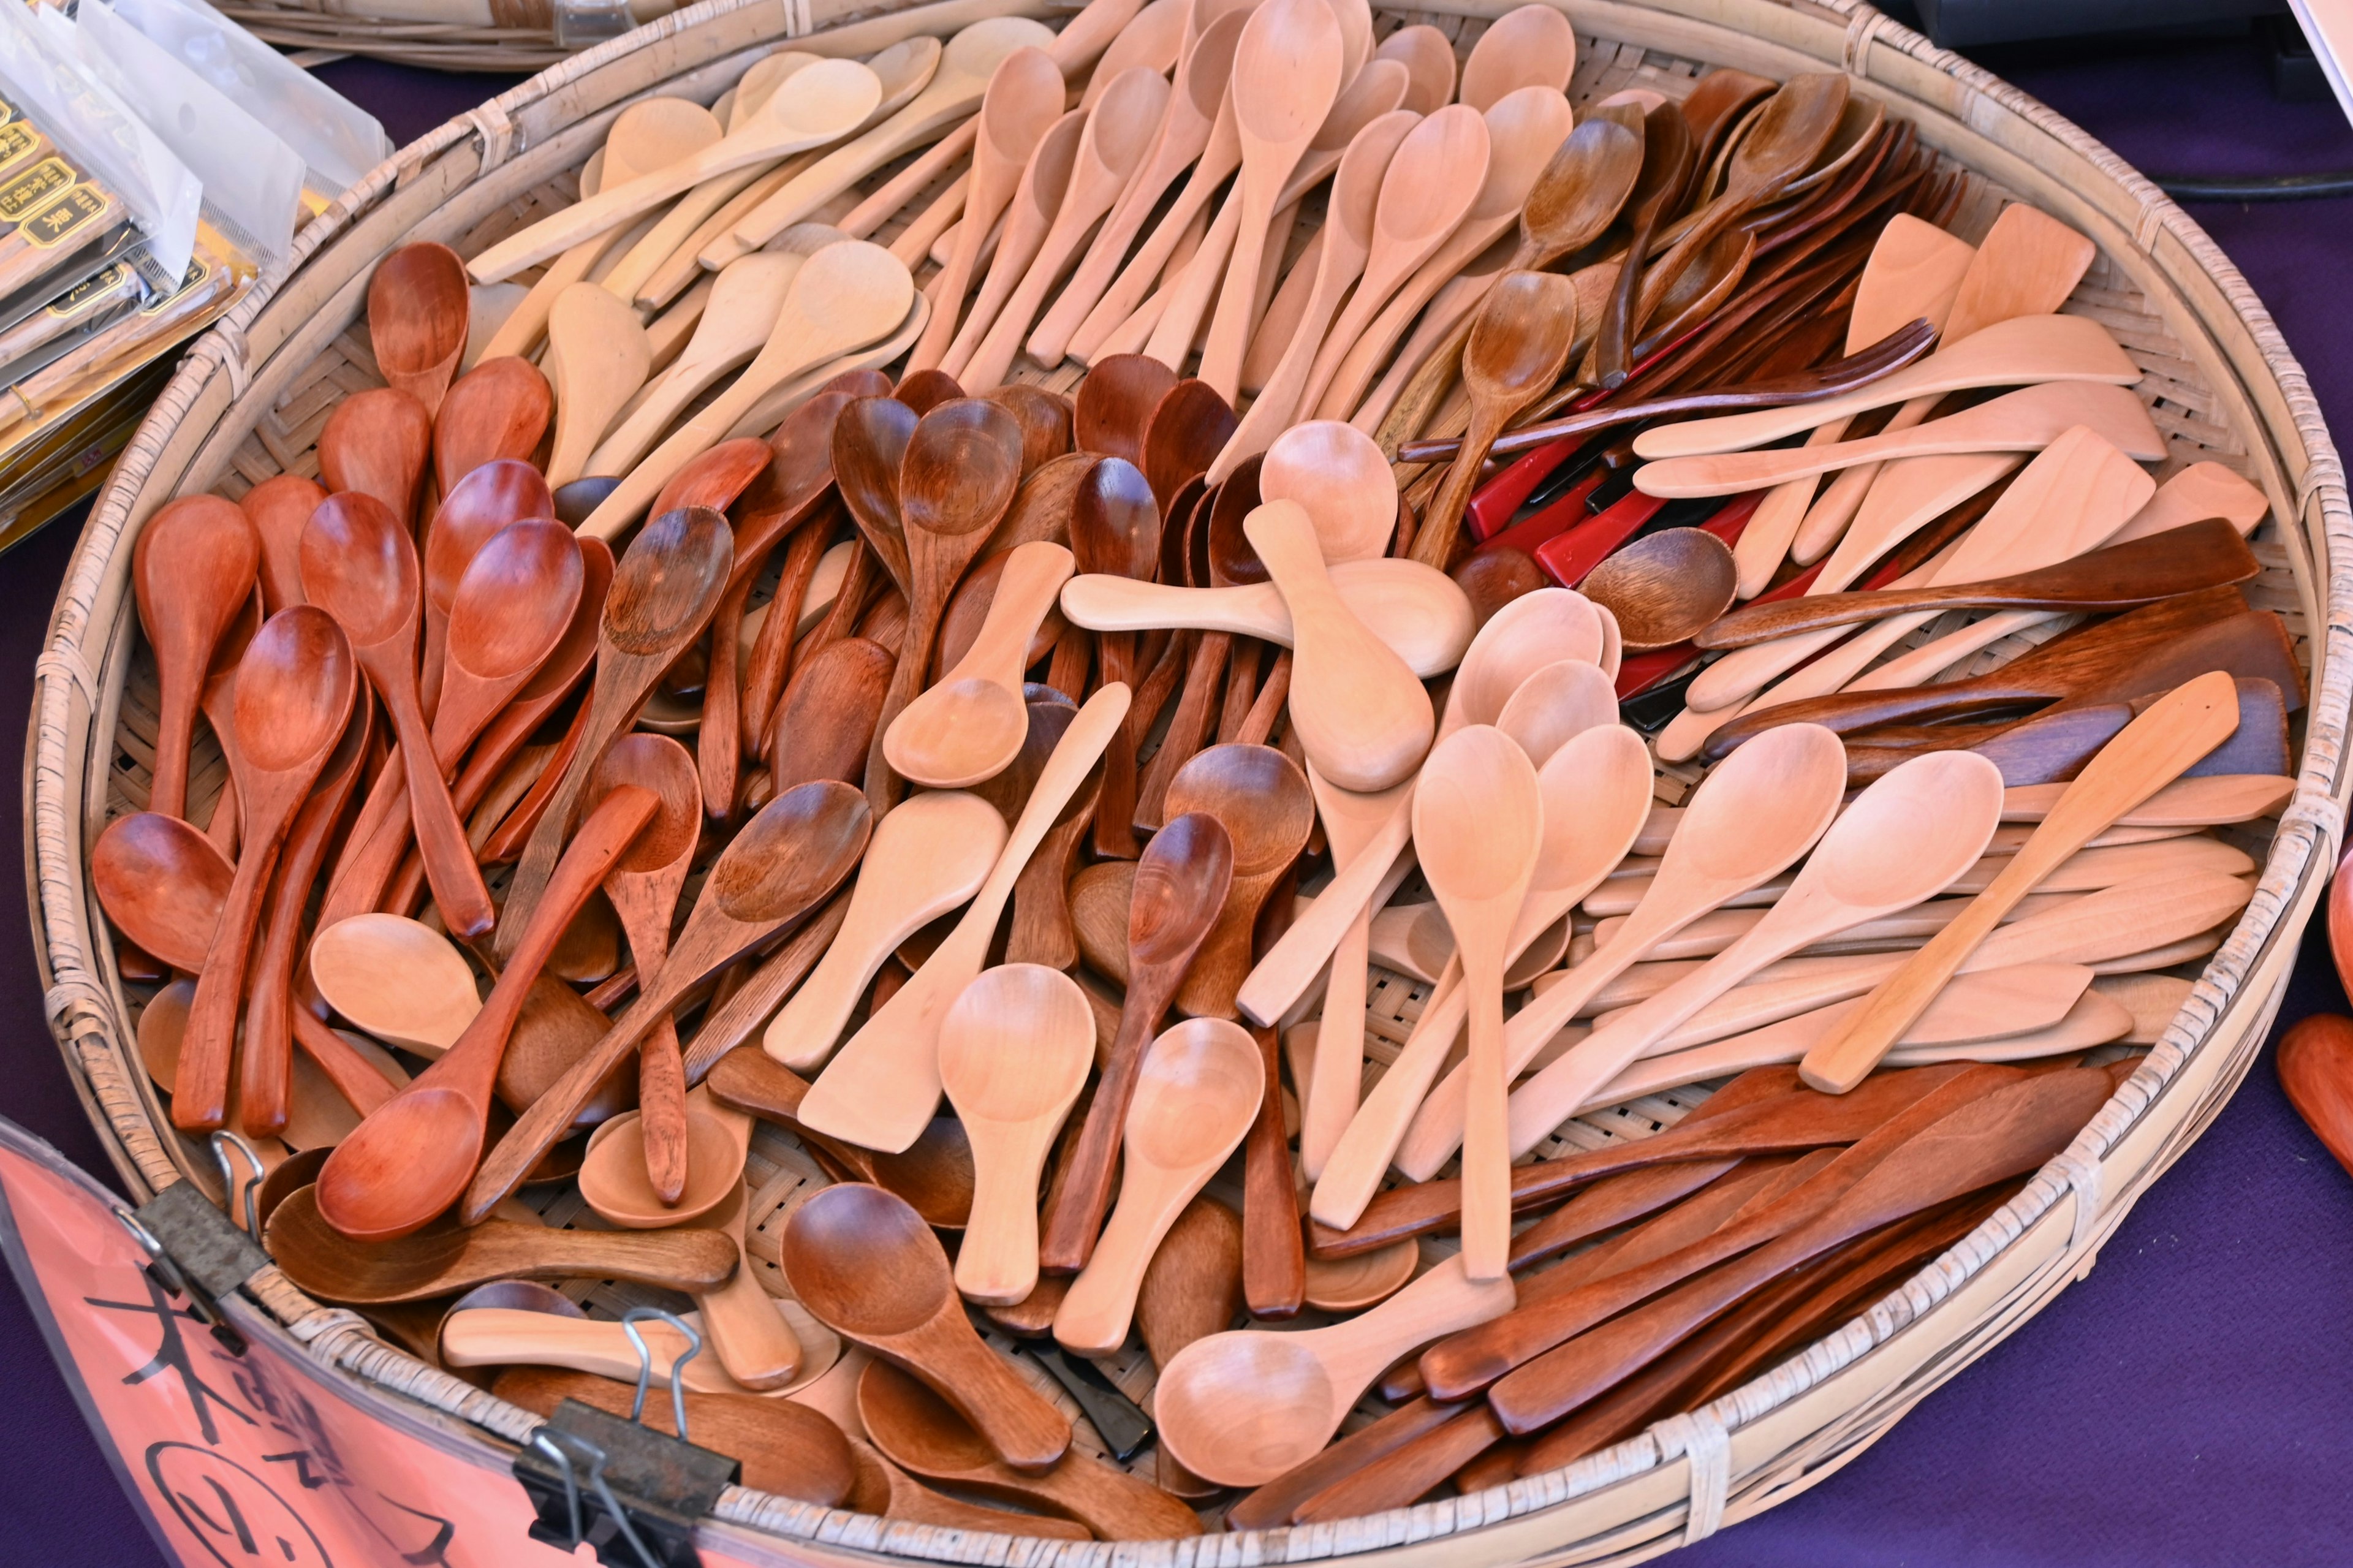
(501, 408)
(418, 309)
(487, 499)
(277, 509)
(294, 694)
(377, 443)
(2316, 1067)
(411, 1157)
(192, 570)
(359, 564)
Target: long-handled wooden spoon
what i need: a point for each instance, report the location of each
(193, 570)
(1414, 610)
(969, 725)
(1518, 343)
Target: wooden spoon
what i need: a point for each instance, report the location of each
(2315, 1071)
(491, 496)
(1557, 704)
(613, 1177)
(1419, 615)
(842, 299)
(1669, 157)
(787, 860)
(934, 1175)
(745, 302)
(1037, 199)
(1115, 529)
(1020, 104)
(1666, 588)
(2151, 753)
(1115, 401)
(1014, 1052)
(1118, 135)
(277, 508)
(864, 1263)
(785, 1447)
(1530, 45)
(1428, 56)
(925, 858)
(933, 1437)
(1904, 840)
(377, 442)
(1340, 477)
(1193, 1095)
(1478, 820)
(1264, 802)
(664, 590)
(418, 313)
(1241, 1407)
(644, 884)
(193, 571)
(499, 408)
(870, 444)
(1517, 346)
(413, 1155)
(1181, 889)
(879, 1090)
(597, 357)
(444, 1262)
(970, 724)
(295, 690)
(163, 884)
(1360, 713)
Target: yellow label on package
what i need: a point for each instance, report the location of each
(33, 188)
(71, 213)
(17, 142)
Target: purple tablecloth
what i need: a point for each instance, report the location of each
(2191, 1403)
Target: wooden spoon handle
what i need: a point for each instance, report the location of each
(2152, 752)
(1274, 1255)
(1014, 1418)
(449, 869)
(661, 1104)
(750, 1338)
(772, 651)
(717, 745)
(200, 1087)
(1067, 1242)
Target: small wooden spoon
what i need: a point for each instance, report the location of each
(612, 1173)
(869, 443)
(1196, 1094)
(491, 496)
(359, 564)
(825, 723)
(399, 979)
(377, 442)
(413, 1155)
(193, 570)
(864, 1263)
(1336, 473)
(1557, 704)
(644, 884)
(501, 408)
(742, 312)
(1115, 530)
(1239, 1408)
(2316, 1069)
(295, 688)
(1023, 99)
(1669, 157)
(1667, 588)
(597, 357)
(934, 1438)
(1014, 1052)
(278, 508)
(163, 884)
(1116, 403)
(1037, 199)
(785, 1447)
(1530, 45)
(444, 1262)
(970, 724)
(1262, 800)
(418, 313)
(1420, 614)
(1180, 890)
(926, 858)
(1361, 715)
(664, 587)
(1478, 821)
(1517, 345)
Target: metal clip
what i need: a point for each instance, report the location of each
(194, 1251)
(664, 1483)
(221, 1142)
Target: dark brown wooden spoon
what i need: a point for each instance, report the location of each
(865, 1265)
(827, 720)
(1182, 888)
(411, 1158)
(923, 1432)
(488, 498)
(192, 571)
(295, 688)
(1716, 102)
(1188, 427)
(377, 443)
(278, 508)
(418, 305)
(1116, 528)
(784, 863)
(360, 565)
(1116, 403)
(1666, 587)
(1262, 799)
(163, 884)
(798, 483)
(934, 1177)
(664, 590)
(1045, 419)
(1669, 155)
(870, 444)
(1493, 577)
(448, 1261)
(961, 467)
(1790, 132)
(501, 408)
(925, 390)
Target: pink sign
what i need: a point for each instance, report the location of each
(264, 1458)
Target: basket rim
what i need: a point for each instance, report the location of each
(81, 1012)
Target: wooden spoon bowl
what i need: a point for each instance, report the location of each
(162, 883)
(613, 1176)
(418, 307)
(1115, 404)
(1665, 588)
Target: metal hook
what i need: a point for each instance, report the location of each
(545, 1441)
(629, 1321)
(146, 1238)
(222, 1142)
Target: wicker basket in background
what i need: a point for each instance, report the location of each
(250, 399)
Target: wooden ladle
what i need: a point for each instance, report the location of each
(865, 1264)
(193, 570)
(1014, 1052)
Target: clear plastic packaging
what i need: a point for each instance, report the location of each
(111, 145)
(337, 141)
(252, 180)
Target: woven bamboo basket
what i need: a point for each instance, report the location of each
(252, 395)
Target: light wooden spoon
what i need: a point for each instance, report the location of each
(970, 724)
(1358, 827)
(828, 100)
(1037, 201)
(1241, 1407)
(743, 309)
(1902, 840)
(1418, 612)
(1531, 45)
(1014, 1052)
(926, 858)
(597, 356)
(1478, 821)
(1023, 101)
(844, 297)
(1348, 240)
(1557, 704)
(1195, 1096)
(1428, 56)
(1336, 472)
(1287, 72)
(1118, 135)
(881, 1089)
(399, 979)
(1361, 715)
